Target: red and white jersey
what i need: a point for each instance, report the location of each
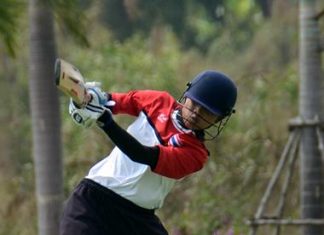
(181, 152)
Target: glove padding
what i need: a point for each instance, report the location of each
(85, 116)
(98, 97)
(93, 110)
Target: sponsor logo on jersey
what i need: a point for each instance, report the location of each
(162, 118)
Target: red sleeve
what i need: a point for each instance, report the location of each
(126, 103)
(133, 102)
(178, 162)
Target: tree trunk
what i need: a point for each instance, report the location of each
(310, 106)
(45, 118)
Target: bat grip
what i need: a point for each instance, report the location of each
(88, 98)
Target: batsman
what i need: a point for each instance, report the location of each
(165, 143)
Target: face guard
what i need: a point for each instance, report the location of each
(215, 92)
(213, 130)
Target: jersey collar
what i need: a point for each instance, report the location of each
(177, 122)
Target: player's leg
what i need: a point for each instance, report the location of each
(78, 217)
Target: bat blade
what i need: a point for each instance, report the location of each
(70, 81)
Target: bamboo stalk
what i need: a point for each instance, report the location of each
(275, 176)
(283, 193)
(273, 180)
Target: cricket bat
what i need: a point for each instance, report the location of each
(70, 80)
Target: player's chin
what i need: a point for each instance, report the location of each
(192, 125)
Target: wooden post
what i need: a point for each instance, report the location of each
(310, 106)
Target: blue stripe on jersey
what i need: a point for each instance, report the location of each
(174, 141)
(157, 134)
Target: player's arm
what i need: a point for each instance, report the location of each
(169, 161)
(135, 101)
(172, 162)
(178, 162)
(127, 143)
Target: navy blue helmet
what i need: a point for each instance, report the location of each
(214, 91)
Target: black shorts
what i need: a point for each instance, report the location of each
(95, 210)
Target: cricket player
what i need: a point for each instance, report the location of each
(165, 143)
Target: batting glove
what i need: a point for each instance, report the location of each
(98, 97)
(99, 102)
(82, 116)
(89, 114)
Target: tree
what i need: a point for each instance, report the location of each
(44, 105)
(45, 118)
(311, 109)
(124, 18)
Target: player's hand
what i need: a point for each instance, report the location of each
(98, 103)
(86, 116)
(97, 96)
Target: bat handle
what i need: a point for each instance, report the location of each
(88, 98)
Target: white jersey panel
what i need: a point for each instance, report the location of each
(133, 181)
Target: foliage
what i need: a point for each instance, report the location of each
(9, 13)
(72, 19)
(196, 23)
(16, 167)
